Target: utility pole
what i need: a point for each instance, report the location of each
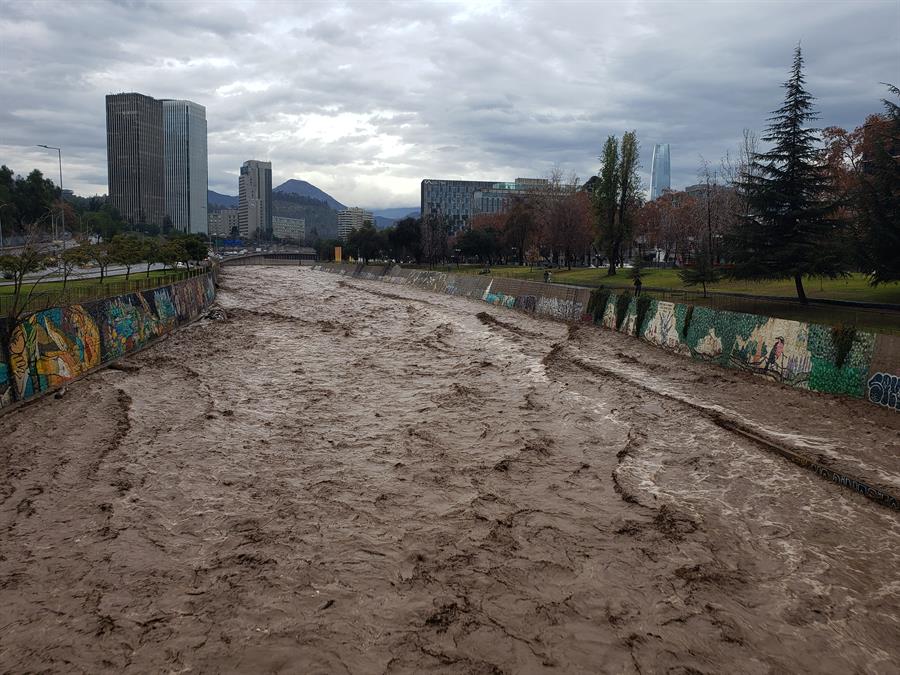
(62, 205)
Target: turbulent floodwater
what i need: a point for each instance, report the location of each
(348, 476)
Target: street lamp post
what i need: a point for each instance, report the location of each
(62, 206)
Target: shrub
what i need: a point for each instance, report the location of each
(843, 337)
(622, 303)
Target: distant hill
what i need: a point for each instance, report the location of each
(397, 213)
(317, 214)
(218, 200)
(303, 189)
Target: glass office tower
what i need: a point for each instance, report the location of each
(661, 171)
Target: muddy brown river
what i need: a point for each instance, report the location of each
(346, 476)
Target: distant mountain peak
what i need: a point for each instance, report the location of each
(305, 189)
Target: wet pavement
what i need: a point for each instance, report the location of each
(346, 476)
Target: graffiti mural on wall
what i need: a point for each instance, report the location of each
(777, 349)
(500, 299)
(661, 327)
(49, 348)
(192, 298)
(884, 389)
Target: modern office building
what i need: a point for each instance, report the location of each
(460, 200)
(135, 158)
(660, 171)
(453, 200)
(184, 134)
(289, 228)
(223, 223)
(255, 198)
(499, 197)
(352, 219)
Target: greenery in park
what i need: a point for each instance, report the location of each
(791, 230)
(702, 273)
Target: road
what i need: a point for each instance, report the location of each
(351, 476)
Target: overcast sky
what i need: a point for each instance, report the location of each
(366, 99)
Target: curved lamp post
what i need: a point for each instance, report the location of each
(61, 198)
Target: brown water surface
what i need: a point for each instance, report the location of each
(347, 476)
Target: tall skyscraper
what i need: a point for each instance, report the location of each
(134, 154)
(661, 171)
(184, 132)
(255, 198)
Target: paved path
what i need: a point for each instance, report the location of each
(348, 476)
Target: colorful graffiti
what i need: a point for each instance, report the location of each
(884, 389)
(51, 347)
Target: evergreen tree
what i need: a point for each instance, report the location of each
(789, 232)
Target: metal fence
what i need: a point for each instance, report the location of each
(82, 290)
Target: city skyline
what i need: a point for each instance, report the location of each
(370, 124)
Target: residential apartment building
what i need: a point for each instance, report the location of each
(289, 228)
(660, 171)
(184, 134)
(458, 201)
(255, 198)
(223, 223)
(352, 219)
(135, 158)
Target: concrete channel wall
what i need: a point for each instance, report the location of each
(53, 346)
(794, 353)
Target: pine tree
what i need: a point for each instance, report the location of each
(789, 232)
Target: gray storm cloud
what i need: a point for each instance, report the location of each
(366, 99)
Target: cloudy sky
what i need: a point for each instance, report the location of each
(365, 99)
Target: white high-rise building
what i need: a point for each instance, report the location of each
(186, 171)
(255, 198)
(352, 219)
(660, 171)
